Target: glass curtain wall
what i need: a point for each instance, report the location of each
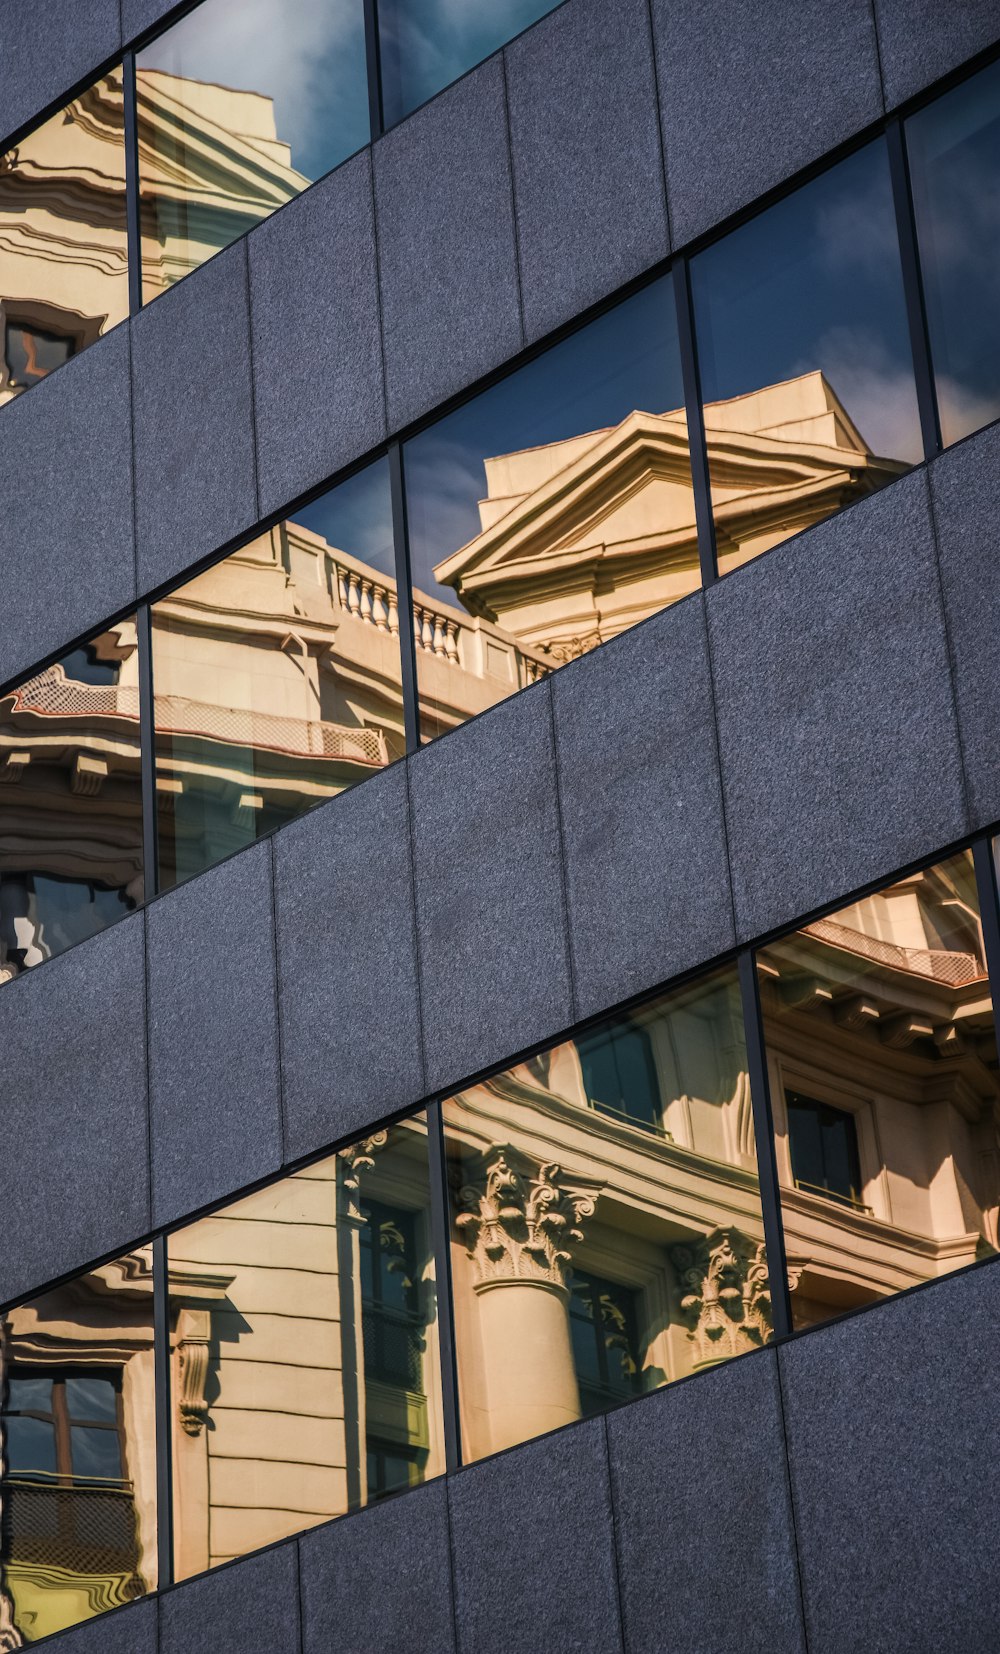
(426, 44)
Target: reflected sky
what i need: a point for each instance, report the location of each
(815, 282)
(356, 516)
(626, 359)
(426, 44)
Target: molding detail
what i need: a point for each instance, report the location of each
(194, 1337)
(518, 1223)
(727, 1298)
(356, 1160)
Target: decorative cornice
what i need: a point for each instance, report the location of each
(727, 1297)
(518, 1223)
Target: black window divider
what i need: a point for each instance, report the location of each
(441, 1238)
(404, 599)
(697, 445)
(913, 290)
(162, 1411)
(147, 753)
(763, 1125)
(132, 203)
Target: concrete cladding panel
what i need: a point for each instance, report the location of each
(920, 40)
(491, 915)
(319, 397)
(130, 1630)
(698, 1471)
(73, 1044)
(895, 1463)
(47, 47)
(588, 166)
(213, 1036)
(646, 868)
(252, 1605)
(533, 1549)
(67, 558)
(837, 727)
(379, 1582)
(448, 267)
(751, 93)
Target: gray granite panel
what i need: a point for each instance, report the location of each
(701, 1466)
(194, 442)
(837, 728)
(252, 1605)
(895, 1460)
(130, 1630)
(965, 493)
(920, 40)
(47, 47)
(646, 868)
(379, 1582)
(448, 268)
(73, 1109)
(588, 164)
(317, 355)
(750, 93)
(349, 1003)
(66, 548)
(533, 1548)
(213, 1037)
(491, 915)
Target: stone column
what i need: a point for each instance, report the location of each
(518, 1224)
(354, 1162)
(726, 1297)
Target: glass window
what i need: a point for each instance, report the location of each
(305, 1353)
(954, 150)
(70, 800)
(882, 1059)
(551, 512)
(63, 243)
(597, 1255)
(240, 108)
(78, 1491)
(806, 369)
(426, 44)
(277, 677)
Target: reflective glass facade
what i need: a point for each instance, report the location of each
(426, 44)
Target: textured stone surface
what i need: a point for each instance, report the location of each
(73, 1044)
(213, 1036)
(315, 319)
(646, 869)
(491, 916)
(252, 1605)
(965, 492)
(588, 165)
(47, 47)
(194, 445)
(130, 1630)
(891, 1420)
(750, 93)
(533, 1549)
(349, 1006)
(702, 1467)
(837, 728)
(921, 39)
(379, 1582)
(448, 268)
(66, 549)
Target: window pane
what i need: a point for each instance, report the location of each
(551, 512)
(63, 250)
(78, 1507)
(595, 1257)
(805, 359)
(883, 1071)
(70, 801)
(298, 1390)
(240, 109)
(91, 1399)
(954, 149)
(426, 44)
(277, 677)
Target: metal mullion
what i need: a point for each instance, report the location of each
(404, 599)
(147, 753)
(132, 219)
(162, 1405)
(376, 115)
(767, 1166)
(441, 1239)
(989, 914)
(913, 290)
(697, 446)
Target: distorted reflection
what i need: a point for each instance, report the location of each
(78, 1490)
(63, 247)
(882, 1059)
(806, 369)
(305, 1350)
(277, 677)
(426, 44)
(551, 512)
(954, 149)
(606, 1221)
(240, 108)
(70, 800)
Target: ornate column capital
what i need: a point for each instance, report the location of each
(518, 1221)
(727, 1297)
(356, 1160)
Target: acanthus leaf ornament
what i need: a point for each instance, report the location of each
(726, 1294)
(519, 1223)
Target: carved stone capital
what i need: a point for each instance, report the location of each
(726, 1294)
(194, 1338)
(356, 1160)
(519, 1222)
